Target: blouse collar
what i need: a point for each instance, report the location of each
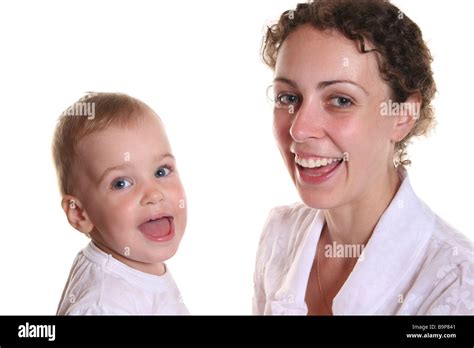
(390, 256)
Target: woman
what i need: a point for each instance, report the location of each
(353, 84)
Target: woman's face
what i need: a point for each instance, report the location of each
(328, 102)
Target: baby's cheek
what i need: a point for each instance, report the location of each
(176, 193)
(120, 211)
(183, 220)
(181, 206)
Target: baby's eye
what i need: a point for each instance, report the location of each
(342, 102)
(120, 184)
(162, 172)
(286, 99)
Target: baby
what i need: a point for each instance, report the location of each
(120, 187)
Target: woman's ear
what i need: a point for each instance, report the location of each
(408, 113)
(76, 215)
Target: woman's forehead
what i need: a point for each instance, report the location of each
(308, 52)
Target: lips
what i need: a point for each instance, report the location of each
(320, 170)
(158, 229)
(317, 174)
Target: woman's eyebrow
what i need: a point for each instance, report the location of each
(321, 85)
(285, 80)
(324, 84)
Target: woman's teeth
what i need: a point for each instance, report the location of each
(315, 162)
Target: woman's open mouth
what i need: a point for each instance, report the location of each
(159, 229)
(315, 170)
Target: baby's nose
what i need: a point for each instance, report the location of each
(152, 196)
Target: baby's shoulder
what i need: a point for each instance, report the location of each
(107, 294)
(93, 290)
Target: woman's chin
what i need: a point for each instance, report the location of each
(319, 201)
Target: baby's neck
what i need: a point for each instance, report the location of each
(157, 269)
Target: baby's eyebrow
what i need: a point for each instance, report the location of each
(110, 169)
(160, 157)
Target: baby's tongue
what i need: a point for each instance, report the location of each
(157, 228)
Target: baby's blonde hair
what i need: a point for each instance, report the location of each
(109, 109)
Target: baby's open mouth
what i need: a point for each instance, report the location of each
(158, 229)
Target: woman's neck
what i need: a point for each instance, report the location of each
(354, 223)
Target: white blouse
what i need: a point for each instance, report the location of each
(414, 263)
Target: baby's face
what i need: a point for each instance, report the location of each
(131, 191)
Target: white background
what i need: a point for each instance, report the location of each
(197, 64)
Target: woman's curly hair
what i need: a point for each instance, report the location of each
(405, 59)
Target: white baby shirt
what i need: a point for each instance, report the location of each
(99, 284)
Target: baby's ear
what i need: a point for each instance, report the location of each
(76, 215)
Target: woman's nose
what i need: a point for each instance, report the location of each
(307, 123)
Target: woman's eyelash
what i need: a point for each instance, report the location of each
(346, 99)
(284, 99)
(287, 99)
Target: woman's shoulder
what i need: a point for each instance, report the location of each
(292, 214)
(285, 230)
(446, 245)
(447, 271)
(290, 218)
(449, 245)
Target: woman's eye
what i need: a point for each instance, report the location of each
(283, 100)
(121, 184)
(341, 102)
(162, 172)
